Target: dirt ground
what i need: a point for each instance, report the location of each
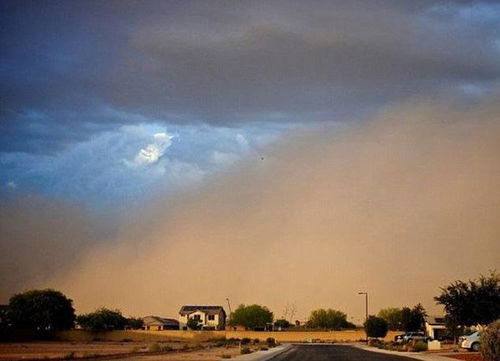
(68, 350)
(213, 354)
(467, 357)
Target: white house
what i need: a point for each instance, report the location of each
(209, 317)
(435, 327)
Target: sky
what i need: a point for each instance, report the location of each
(116, 116)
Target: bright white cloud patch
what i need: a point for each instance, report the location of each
(154, 151)
(134, 161)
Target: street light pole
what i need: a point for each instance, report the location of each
(229, 306)
(366, 309)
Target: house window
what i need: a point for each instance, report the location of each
(197, 317)
(211, 317)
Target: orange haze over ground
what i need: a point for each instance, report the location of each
(397, 206)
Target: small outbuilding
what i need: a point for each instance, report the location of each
(159, 323)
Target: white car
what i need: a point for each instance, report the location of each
(471, 342)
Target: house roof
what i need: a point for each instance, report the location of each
(159, 321)
(435, 320)
(210, 310)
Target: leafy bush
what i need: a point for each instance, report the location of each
(375, 343)
(193, 324)
(225, 355)
(490, 342)
(256, 341)
(245, 341)
(245, 350)
(376, 327)
(263, 348)
(419, 346)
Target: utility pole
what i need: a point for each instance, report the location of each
(366, 310)
(229, 306)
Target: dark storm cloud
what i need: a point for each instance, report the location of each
(228, 62)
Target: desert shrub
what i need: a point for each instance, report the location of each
(263, 348)
(245, 350)
(225, 355)
(245, 341)
(490, 342)
(256, 341)
(127, 340)
(419, 346)
(154, 347)
(271, 342)
(185, 347)
(193, 324)
(373, 342)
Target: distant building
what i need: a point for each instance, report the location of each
(435, 327)
(209, 317)
(159, 323)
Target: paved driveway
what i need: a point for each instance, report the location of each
(334, 353)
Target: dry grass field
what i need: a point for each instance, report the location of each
(116, 350)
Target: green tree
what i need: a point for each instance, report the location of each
(251, 317)
(328, 319)
(102, 319)
(282, 323)
(376, 327)
(135, 323)
(470, 303)
(193, 324)
(4, 321)
(393, 316)
(41, 310)
(413, 319)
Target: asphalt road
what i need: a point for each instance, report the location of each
(334, 353)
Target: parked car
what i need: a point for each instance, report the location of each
(471, 342)
(411, 336)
